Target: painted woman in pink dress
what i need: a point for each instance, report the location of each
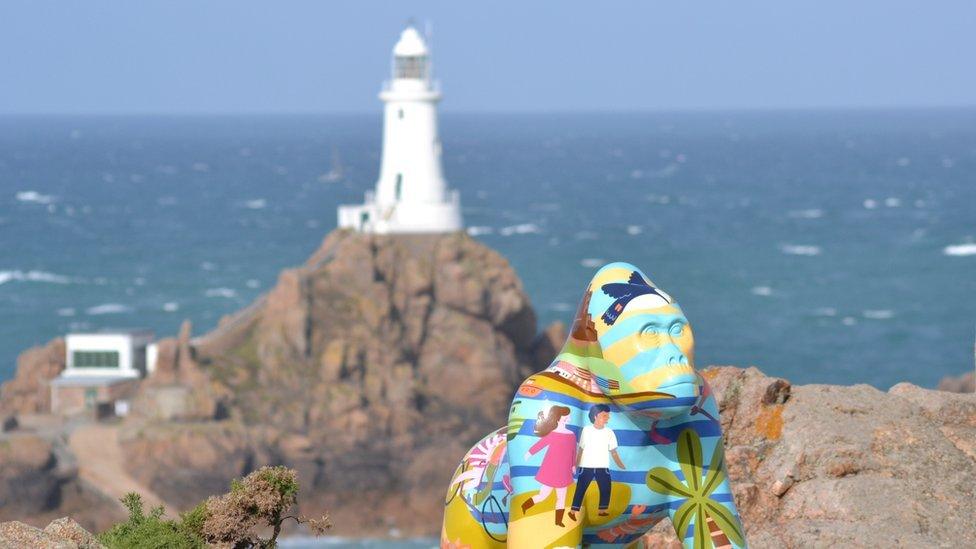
(556, 471)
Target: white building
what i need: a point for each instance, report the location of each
(101, 369)
(411, 195)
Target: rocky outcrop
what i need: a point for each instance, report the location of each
(29, 391)
(369, 369)
(39, 481)
(966, 383)
(62, 533)
(847, 466)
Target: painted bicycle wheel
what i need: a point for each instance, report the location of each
(491, 507)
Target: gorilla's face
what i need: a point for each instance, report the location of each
(642, 332)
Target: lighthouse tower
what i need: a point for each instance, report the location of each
(411, 195)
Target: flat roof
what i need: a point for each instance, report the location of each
(88, 381)
(115, 331)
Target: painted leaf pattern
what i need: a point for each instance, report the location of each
(697, 489)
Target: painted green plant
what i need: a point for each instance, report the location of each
(697, 489)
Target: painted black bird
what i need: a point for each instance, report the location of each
(625, 292)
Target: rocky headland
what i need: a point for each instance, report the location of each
(372, 367)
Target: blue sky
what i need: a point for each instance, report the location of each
(243, 56)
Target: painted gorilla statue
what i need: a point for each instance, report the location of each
(616, 434)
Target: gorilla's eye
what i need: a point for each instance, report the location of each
(648, 337)
(676, 330)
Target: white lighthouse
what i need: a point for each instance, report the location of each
(411, 195)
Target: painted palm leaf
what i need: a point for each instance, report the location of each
(697, 489)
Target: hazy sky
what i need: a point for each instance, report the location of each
(175, 56)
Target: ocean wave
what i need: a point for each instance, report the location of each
(66, 311)
(108, 309)
(221, 292)
(561, 307)
(960, 250)
(33, 276)
(256, 204)
(171, 306)
(825, 311)
(878, 314)
(592, 262)
(811, 213)
(522, 228)
(801, 249)
(35, 197)
(764, 291)
(634, 230)
(480, 230)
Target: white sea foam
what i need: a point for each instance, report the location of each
(35, 197)
(825, 311)
(892, 202)
(801, 249)
(33, 276)
(848, 321)
(870, 203)
(592, 262)
(634, 229)
(256, 204)
(811, 213)
(221, 292)
(66, 311)
(960, 250)
(252, 283)
(561, 307)
(208, 266)
(523, 228)
(480, 230)
(171, 306)
(108, 309)
(878, 314)
(764, 291)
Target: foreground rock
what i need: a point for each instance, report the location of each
(369, 370)
(62, 533)
(823, 465)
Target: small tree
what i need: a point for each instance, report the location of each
(261, 499)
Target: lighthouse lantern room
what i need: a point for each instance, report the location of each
(411, 195)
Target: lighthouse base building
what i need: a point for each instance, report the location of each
(411, 195)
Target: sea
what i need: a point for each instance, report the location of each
(820, 246)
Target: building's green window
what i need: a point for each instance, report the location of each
(96, 359)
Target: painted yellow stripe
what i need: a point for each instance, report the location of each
(625, 349)
(656, 377)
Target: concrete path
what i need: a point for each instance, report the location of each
(96, 447)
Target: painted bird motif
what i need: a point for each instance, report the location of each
(625, 292)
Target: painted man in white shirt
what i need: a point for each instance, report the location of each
(597, 445)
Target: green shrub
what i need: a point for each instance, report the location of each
(152, 531)
(259, 500)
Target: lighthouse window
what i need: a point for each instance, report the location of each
(413, 66)
(399, 185)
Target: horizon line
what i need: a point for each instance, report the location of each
(543, 111)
